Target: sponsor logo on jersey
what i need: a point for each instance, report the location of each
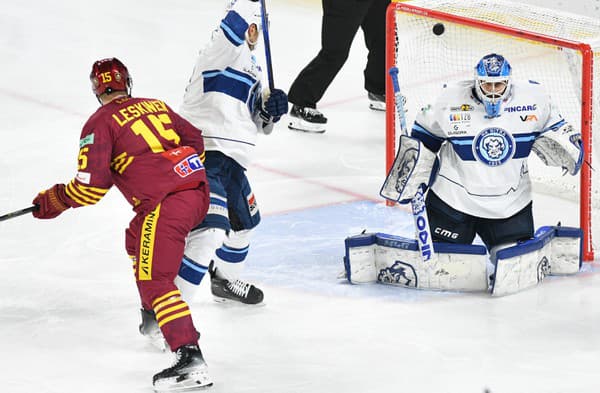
(462, 108)
(456, 117)
(456, 131)
(493, 146)
(528, 118)
(400, 273)
(88, 140)
(83, 177)
(188, 165)
(520, 108)
(252, 205)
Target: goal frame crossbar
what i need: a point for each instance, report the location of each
(585, 204)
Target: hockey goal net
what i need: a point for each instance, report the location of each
(435, 41)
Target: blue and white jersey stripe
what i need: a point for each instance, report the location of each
(234, 27)
(229, 81)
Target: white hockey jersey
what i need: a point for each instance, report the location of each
(483, 161)
(224, 92)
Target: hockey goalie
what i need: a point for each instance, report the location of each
(470, 149)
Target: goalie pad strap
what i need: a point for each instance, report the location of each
(412, 167)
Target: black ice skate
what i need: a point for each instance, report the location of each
(149, 329)
(224, 290)
(376, 101)
(188, 373)
(307, 119)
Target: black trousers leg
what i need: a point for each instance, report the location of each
(373, 27)
(341, 20)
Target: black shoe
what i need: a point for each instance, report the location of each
(187, 373)
(149, 329)
(307, 119)
(238, 290)
(376, 101)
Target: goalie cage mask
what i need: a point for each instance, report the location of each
(110, 75)
(493, 82)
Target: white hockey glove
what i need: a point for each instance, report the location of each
(561, 147)
(414, 165)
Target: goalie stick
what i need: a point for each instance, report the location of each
(419, 212)
(18, 213)
(264, 19)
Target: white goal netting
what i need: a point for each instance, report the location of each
(558, 49)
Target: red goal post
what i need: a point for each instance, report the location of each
(554, 48)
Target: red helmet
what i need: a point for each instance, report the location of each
(110, 75)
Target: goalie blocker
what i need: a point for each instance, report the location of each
(395, 260)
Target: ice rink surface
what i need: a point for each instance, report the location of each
(68, 302)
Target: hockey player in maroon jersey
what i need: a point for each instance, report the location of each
(155, 158)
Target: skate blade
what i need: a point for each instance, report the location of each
(377, 106)
(234, 303)
(304, 126)
(195, 381)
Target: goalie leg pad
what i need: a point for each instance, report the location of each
(396, 260)
(359, 261)
(414, 165)
(554, 250)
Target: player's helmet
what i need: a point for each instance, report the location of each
(248, 9)
(493, 82)
(109, 75)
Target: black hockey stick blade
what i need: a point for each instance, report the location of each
(18, 213)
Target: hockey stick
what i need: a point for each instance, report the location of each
(18, 213)
(264, 18)
(418, 202)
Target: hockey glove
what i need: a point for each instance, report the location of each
(562, 147)
(51, 202)
(274, 106)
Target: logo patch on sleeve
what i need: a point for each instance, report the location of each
(84, 177)
(88, 140)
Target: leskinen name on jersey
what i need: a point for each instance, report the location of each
(132, 112)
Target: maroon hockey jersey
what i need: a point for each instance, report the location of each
(141, 146)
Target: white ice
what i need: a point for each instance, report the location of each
(68, 302)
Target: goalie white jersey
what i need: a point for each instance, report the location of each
(483, 161)
(224, 92)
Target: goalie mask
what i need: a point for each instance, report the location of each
(110, 75)
(493, 82)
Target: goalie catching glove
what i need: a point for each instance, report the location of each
(561, 147)
(51, 202)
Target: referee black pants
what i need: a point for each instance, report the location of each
(341, 20)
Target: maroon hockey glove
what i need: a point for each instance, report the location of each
(51, 202)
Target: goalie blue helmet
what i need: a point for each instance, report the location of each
(493, 82)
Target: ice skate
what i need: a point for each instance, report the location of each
(188, 373)
(376, 101)
(307, 119)
(239, 291)
(149, 329)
